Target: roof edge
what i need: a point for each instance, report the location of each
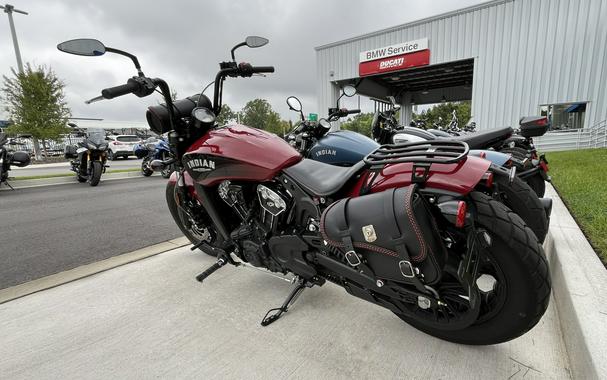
(456, 12)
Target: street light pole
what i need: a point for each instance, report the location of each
(9, 9)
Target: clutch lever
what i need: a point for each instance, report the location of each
(95, 99)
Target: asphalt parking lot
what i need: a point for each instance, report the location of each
(151, 319)
(50, 229)
(64, 167)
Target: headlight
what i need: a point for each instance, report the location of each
(91, 146)
(203, 115)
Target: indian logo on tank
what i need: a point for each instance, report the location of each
(201, 165)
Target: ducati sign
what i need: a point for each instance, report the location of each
(394, 57)
(420, 58)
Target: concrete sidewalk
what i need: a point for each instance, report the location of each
(152, 319)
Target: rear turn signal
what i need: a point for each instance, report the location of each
(460, 220)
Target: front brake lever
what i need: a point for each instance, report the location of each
(95, 99)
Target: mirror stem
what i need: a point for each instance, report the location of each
(131, 56)
(236, 47)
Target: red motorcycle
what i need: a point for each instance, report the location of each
(406, 228)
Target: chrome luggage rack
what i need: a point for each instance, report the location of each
(422, 154)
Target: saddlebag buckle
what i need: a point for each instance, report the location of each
(352, 258)
(406, 269)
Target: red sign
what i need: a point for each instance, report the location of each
(399, 62)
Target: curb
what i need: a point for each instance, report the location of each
(87, 270)
(25, 183)
(579, 284)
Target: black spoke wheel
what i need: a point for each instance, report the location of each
(514, 281)
(198, 230)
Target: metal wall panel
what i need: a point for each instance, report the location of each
(527, 53)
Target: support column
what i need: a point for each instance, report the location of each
(406, 112)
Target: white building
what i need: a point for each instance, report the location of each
(511, 58)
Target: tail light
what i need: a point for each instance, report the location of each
(460, 219)
(544, 165)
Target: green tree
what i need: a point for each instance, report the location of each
(441, 113)
(258, 113)
(360, 123)
(36, 105)
(226, 115)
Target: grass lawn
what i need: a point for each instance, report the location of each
(581, 179)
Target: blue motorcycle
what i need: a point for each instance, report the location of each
(346, 148)
(153, 149)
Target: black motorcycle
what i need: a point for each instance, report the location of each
(89, 157)
(8, 158)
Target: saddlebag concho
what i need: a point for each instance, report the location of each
(392, 231)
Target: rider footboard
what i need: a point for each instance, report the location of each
(392, 232)
(422, 154)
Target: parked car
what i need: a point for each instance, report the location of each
(121, 146)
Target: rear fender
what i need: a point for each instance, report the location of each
(497, 158)
(460, 178)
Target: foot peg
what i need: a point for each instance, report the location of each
(273, 314)
(201, 277)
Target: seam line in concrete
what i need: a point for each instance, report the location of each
(57, 279)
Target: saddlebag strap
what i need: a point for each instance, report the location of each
(407, 269)
(405, 265)
(351, 255)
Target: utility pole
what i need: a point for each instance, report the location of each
(9, 9)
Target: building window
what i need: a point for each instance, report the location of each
(564, 116)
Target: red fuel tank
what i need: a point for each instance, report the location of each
(238, 152)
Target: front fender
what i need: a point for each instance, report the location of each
(189, 183)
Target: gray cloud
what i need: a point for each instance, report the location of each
(183, 41)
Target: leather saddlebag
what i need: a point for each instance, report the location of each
(392, 232)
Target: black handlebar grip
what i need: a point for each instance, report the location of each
(263, 69)
(113, 92)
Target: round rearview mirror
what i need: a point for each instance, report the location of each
(349, 91)
(324, 123)
(203, 115)
(294, 103)
(82, 46)
(255, 41)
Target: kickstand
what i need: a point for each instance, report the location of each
(273, 314)
(9, 185)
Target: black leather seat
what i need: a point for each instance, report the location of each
(322, 179)
(484, 140)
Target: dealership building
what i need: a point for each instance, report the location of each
(511, 58)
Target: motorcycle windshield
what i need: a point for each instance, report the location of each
(96, 135)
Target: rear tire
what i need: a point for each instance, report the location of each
(80, 178)
(520, 198)
(536, 181)
(96, 170)
(526, 286)
(185, 225)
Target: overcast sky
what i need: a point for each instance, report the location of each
(183, 41)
